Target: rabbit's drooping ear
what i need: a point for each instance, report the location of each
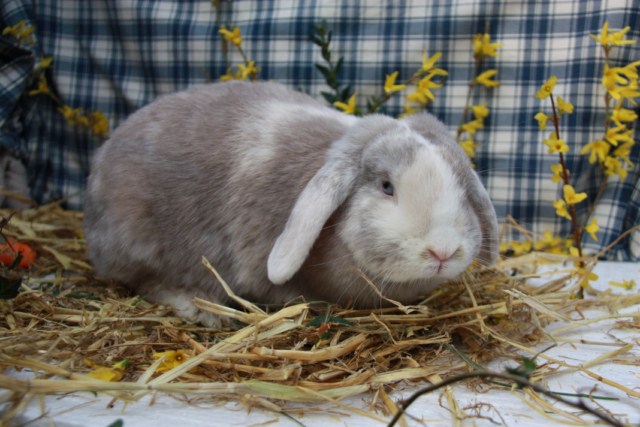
(324, 193)
(481, 204)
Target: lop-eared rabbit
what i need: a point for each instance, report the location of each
(285, 197)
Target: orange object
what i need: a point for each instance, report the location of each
(9, 252)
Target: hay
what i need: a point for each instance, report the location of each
(65, 321)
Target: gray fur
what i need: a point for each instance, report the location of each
(221, 171)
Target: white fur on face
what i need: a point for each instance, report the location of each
(426, 229)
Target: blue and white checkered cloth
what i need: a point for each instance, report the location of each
(116, 56)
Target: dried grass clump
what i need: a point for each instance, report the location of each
(65, 321)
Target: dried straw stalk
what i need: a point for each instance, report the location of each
(65, 319)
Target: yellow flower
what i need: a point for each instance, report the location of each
(618, 134)
(485, 78)
(624, 151)
(67, 112)
(561, 209)
(21, 31)
(45, 62)
(229, 75)
(622, 173)
(70, 114)
(107, 373)
(472, 126)
(624, 92)
(625, 284)
(623, 115)
(568, 244)
(247, 71)
(232, 36)
(604, 35)
(390, 85)
(482, 46)
(99, 124)
(480, 112)
(547, 88)
(613, 166)
(428, 65)
(592, 229)
(423, 94)
(570, 195)
(542, 120)
(170, 359)
(586, 279)
(616, 39)
(43, 87)
(565, 106)
(516, 248)
(549, 243)
(557, 173)
(598, 150)
(348, 108)
(74, 116)
(504, 247)
(408, 110)
(622, 82)
(573, 251)
(626, 75)
(469, 147)
(520, 248)
(556, 145)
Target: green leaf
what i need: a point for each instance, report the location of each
(346, 93)
(326, 53)
(340, 320)
(529, 365)
(525, 369)
(338, 66)
(329, 97)
(321, 28)
(316, 40)
(123, 364)
(318, 320)
(371, 103)
(326, 72)
(329, 76)
(116, 423)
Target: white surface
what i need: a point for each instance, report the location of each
(84, 409)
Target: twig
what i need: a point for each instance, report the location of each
(520, 381)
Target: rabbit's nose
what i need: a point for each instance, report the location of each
(440, 256)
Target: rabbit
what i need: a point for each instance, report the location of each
(286, 198)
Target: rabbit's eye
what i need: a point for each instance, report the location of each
(387, 188)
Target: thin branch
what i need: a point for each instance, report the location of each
(520, 381)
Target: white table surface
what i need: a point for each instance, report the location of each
(85, 409)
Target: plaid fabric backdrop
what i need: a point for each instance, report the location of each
(116, 56)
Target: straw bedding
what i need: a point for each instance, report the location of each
(66, 325)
